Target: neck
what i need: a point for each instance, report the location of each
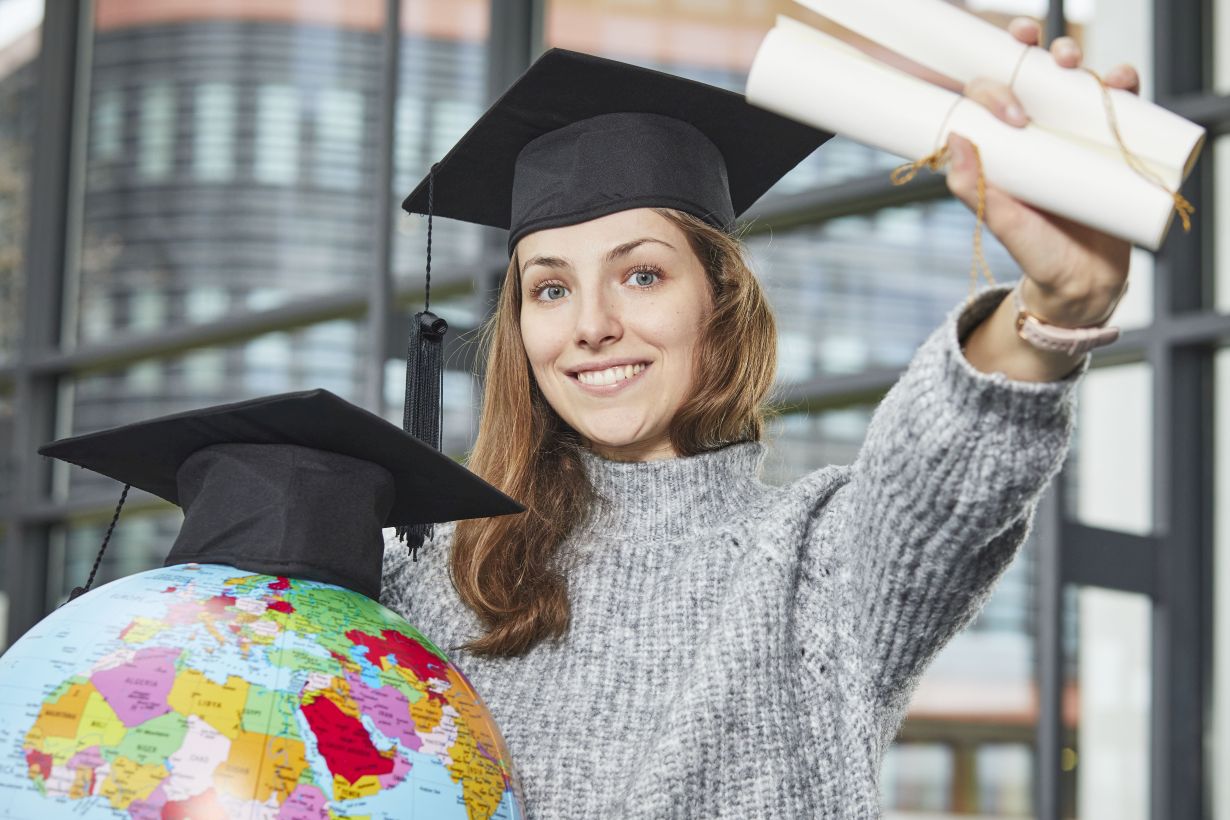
(668, 498)
(650, 450)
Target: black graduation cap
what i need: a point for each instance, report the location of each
(297, 484)
(578, 136)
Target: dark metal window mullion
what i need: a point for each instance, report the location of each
(380, 291)
(25, 555)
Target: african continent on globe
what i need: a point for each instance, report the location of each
(201, 691)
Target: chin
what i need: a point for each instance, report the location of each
(633, 444)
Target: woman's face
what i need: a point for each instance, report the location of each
(611, 311)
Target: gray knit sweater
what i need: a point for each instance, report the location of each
(739, 650)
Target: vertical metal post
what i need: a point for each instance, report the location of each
(516, 39)
(1048, 796)
(1182, 458)
(25, 559)
(380, 293)
(1048, 526)
(1056, 24)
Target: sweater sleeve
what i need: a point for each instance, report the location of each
(940, 498)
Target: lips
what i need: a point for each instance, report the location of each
(610, 374)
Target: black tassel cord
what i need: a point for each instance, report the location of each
(424, 379)
(79, 591)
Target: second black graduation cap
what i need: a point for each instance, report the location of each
(296, 484)
(578, 137)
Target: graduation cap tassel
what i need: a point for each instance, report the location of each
(424, 378)
(79, 591)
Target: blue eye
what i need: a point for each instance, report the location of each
(645, 278)
(551, 293)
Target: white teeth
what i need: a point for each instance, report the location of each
(611, 375)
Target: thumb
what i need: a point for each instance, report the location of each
(962, 170)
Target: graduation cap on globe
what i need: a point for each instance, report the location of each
(298, 484)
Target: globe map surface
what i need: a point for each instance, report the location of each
(201, 691)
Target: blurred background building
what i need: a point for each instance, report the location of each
(198, 204)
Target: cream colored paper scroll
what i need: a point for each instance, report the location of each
(817, 79)
(960, 45)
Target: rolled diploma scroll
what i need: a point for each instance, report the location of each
(811, 77)
(962, 46)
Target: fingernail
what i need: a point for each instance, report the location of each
(1066, 50)
(1016, 115)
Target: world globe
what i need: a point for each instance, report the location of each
(203, 691)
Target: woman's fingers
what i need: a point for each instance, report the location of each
(1123, 76)
(999, 99)
(1067, 53)
(1026, 30)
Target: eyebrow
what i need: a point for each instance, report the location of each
(617, 252)
(627, 247)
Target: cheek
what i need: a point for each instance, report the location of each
(542, 342)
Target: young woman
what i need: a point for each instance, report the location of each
(661, 634)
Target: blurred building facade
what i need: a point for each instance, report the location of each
(226, 227)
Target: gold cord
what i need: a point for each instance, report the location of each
(1185, 208)
(934, 162)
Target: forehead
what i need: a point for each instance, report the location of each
(595, 237)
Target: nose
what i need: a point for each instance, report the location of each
(598, 323)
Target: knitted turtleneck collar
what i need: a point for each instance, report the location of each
(670, 498)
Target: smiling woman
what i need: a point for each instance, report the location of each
(662, 634)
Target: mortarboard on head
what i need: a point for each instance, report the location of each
(578, 137)
(298, 484)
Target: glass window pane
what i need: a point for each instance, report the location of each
(339, 137)
(1221, 221)
(8, 461)
(1115, 31)
(213, 158)
(1005, 779)
(802, 442)
(328, 355)
(1221, 59)
(917, 777)
(245, 163)
(141, 540)
(862, 292)
(277, 135)
(107, 126)
(1219, 758)
(156, 132)
(442, 90)
(1111, 460)
(1114, 679)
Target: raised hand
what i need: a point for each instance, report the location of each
(1074, 274)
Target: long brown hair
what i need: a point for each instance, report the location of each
(505, 568)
